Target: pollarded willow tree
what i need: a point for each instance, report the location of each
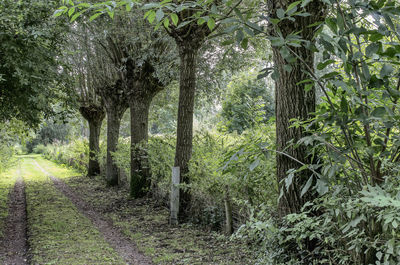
(143, 62)
(91, 105)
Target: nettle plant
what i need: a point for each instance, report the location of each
(355, 129)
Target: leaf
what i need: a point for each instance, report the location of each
(292, 5)
(166, 22)
(151, 16)
(174, 18)
(289, 180)
(151, 6)
(372, 49)
(254, 164)
(74, 17)
(307, 186)
(159, 15)
(386, 70)
(71, 11)
(323, 65)
(245, 43)
(211, 23)
(95, 16)
(322, 187)
(305, 2)
(280, 13)
(379, 112)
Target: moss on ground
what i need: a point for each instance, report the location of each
(58, 232)
(146, 223)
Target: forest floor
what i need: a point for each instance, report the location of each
(50, 214)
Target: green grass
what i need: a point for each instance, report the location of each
(146, 224)
(58, 233)
(7, 181)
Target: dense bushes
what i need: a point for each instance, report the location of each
(6, 153)
(75, 154)
(223, 167)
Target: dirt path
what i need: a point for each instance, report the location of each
(14, 247)
(125, 248)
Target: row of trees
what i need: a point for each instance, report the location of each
(346, 51)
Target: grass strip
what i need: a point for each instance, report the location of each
(58, 232)
(7, 182)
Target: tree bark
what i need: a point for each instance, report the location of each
(94, 115)
(114, 116)
(187, 89)
(293, 102)
(140, 169)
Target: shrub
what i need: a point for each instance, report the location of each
(39, 149)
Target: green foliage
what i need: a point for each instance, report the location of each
(248, 102)
(30, 77)
(74, 154)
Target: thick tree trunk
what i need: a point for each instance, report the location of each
(187, 89)
(114, 117)
(94, 115)
(140, 170)
(293, 102)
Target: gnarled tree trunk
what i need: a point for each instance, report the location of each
(114, 116)
(94, 115)
(140, 169)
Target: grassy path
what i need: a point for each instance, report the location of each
(75, 220)
(57, 232)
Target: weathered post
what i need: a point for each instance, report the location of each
(175, 196)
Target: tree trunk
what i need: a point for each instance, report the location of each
(187, 88)
(293, 102)
(94, 115)
(113, 123)
(140, 170)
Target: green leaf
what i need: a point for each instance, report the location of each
(166, 22)
(322, 187)
(74, 17)
(254, 164)
(245, 43)
(151, 16)
(159, 15)
(372, 49)
(307, 186)
(211, 23)
(95, 16)
(292, 5)
(386, 70)
(323, 65)
(280, 13)
(174, 18)
(71, 11)
(379, 112)
(344, 107)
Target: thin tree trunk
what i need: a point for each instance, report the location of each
(113, 123)
(187, 88)
(94, 115)
(140, 170)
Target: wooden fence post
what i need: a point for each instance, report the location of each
(175, 196)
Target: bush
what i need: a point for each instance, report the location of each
(74, 154)
(39, 149)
